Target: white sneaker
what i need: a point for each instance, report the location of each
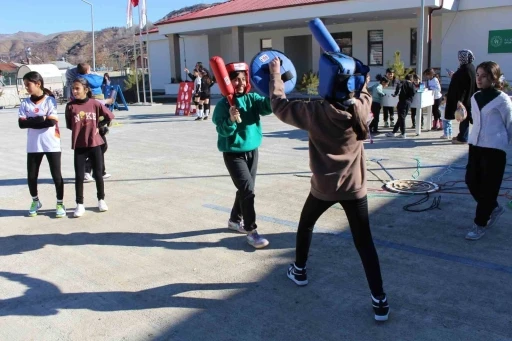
(106, 176)
(102, 205)
(254, 239)
(391, 134)
(79, 211)
(402, 136)
(88, 177)
(239, 227)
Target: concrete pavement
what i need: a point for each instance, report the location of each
(161, 264)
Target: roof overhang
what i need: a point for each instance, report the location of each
(293, 16)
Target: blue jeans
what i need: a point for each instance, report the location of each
(447, 127)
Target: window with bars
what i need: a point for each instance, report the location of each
(265, 44)
(414, 45)
(376, 47)
(344, 41)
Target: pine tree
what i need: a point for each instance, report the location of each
(399, 66)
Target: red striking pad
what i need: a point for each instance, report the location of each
(222, 78)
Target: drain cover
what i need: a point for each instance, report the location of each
(411, 187)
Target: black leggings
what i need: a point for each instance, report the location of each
(96, 156)
(402, 111)
(33, 164)
(88, 162)
(435, 109)
(413, 117)
(388, 112)
(374, 126)
(357, 215)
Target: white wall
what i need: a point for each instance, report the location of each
(396, 37)
(320, 10)
(159, 57)
(193, 49)
(477, 4)
(226, 48)
(469, 30)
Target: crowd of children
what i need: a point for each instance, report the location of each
(405, 90)
(337, 128)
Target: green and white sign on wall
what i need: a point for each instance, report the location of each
(500, 41)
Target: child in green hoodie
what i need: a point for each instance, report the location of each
(239, 136)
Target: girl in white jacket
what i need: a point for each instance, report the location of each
(488, 140)
(432, 83)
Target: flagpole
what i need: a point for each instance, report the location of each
(142, 55)
(149, 63)
(136, 72)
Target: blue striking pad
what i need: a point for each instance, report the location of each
(340, 75)
(260, 74)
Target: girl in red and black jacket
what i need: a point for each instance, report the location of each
(83, 117)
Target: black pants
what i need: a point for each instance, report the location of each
(242, 169)
(435, 108)
(413, 117)
(388, 112)
(402, 110)
(374, 126)
(88, 162)
(34, 162)
(484, 175)
(95, 154)
(357, 215)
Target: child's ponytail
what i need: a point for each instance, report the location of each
(35, 77)
(48, 92)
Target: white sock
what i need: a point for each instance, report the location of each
(206, 113)
(200, 113)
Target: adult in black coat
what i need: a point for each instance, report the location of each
(462, 87)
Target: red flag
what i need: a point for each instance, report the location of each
(135, 3)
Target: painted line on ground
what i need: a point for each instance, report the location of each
(392, 245)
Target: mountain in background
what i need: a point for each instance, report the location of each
(114, 45)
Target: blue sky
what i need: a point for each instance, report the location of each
(54, 16)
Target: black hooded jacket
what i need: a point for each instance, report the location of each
(462, 88)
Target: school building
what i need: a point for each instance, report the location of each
(370, 30)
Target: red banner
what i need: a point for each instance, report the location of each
(184, 99)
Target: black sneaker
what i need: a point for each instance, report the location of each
(299, 276)
(380, 307)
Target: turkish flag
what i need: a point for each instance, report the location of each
(135, 3)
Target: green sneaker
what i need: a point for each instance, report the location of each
(36, 205)
(61, 211)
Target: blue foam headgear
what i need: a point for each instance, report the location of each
(339, 75)
(260, 73)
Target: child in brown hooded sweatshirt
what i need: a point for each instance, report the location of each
(338, 163)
